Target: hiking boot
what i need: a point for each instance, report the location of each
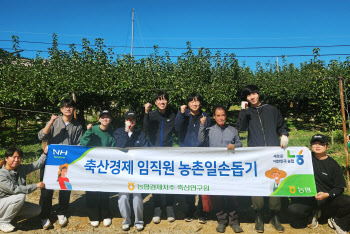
(170, 214)
(236, 228)
(259, 223)
(156, 215)
(7, 227)
(332, 224)
(221, 228)
(62, 220)
(276, 223)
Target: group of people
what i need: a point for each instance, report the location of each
(265, 126)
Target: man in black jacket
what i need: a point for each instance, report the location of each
(160, 125)
(265, 125)
(329, 200)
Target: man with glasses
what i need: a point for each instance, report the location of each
(329, 200)
(63, 130)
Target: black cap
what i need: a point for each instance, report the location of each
(105, 112)
(319, 137)
(129, 114)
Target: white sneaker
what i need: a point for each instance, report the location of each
(156, 215)
(95, 223)
(107, 222)
(314, 223)
(46, 223)
(62, 220)
(126, 227)
(170, 213)
(139, 227)
(334, 225)
(6, 227)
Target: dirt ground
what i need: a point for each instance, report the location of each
(79, 222)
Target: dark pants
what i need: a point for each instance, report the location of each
(157, 199)
(274, 203)
(226, 206)
(191, 204)
(46, 200)
(302, 209)
(98, 205)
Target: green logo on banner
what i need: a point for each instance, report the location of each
(297, 185)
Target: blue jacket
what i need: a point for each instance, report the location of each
(188, 130)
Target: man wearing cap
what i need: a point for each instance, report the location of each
(329, 200)
(265, 126)
(98, 202)
(130, 136)
(63, 130)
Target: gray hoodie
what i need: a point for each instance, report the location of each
(14, 181)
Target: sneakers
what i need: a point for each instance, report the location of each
(236, 228)
(170, 213)
(62, 220)
(314, 222)
(139, 227)
(202, 217)
(332, 224)
(221, 228)
(46, 223)
(126, 227)
(95, 223)
(156, 215)
(107, 222)
(188, 217)
(6, 227)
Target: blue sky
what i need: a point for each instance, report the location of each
(209, 24)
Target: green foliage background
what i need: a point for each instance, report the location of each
(102, 80)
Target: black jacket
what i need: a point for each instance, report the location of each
(264, 124)
(122, 139)
(160, 128)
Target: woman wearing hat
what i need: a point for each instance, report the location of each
(98, 202)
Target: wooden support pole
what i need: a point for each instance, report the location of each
(344, 129)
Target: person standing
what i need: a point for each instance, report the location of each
(265, 126)
(130, 136)
(222, 135)
(160, 126)
(98, 202)
(187, 124)
(63, 130)
(13, 188)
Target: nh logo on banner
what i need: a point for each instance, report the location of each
(60, 152)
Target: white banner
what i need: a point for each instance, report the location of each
(252, 171)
